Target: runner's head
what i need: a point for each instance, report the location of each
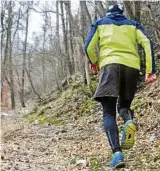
(118, 8)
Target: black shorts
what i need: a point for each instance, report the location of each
(117, 80)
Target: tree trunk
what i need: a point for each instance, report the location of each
(43, 56)
(5, 50)
(59, 61)
(95, 11)
(88, 79)
(65, 39)
(129, 9)
(2, 32)
(11, 82)
(57, 74)
(154, 23)
(137, 7)
(24, 60)
(85, 14)
(70, 35)
(32, 85)
(100, 9)
(7, 63)
(4, 65)
(57, 22)
(71, 27)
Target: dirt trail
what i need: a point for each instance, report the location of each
(76, 146)
(27, 147)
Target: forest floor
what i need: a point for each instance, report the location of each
(74, 142)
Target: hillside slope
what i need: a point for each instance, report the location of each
(65, 133)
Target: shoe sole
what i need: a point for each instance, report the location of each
(130, 137)
(120, 165)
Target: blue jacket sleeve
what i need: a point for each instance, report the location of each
(147, 44)
(91, 42)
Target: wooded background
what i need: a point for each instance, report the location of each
(32, 68)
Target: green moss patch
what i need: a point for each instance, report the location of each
(87, 107)
(96, 164)
(43, 119)
(74, 102)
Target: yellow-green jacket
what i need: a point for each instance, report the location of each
(117, 39)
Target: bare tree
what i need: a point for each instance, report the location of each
(2, 27)
(129, 8)
(28, 72)
(65, 39)
(153, 23)
(69, 19)
(11, 82)
(22, 93)
(7, 62)
(137, 8)
(44, 28)
(100, 8)
(4, 46)
(84, 17)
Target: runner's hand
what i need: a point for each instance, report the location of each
(150, 78)
(94, 68)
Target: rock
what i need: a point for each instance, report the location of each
(48, 124)
(36, 122)
(69, 126)
(83, 163)
(152, 138)
(2, 157)
(63, 131)
(99, 128)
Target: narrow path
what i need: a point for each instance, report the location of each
(27, 147)
(77, 146)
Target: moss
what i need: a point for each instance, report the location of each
(96, 164)
(55, 121)
(44, 110)
(68, 95)
(75, 86)
(85, 90)
(86, 107)
(88, 90)
(73, 161)
(136, 103)
(138, 160)
(43, 119)
(30, 117)
(93, 86)
(77, 93)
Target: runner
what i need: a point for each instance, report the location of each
(119, 63)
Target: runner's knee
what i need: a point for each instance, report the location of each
(109, 106)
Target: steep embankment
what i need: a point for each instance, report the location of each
(65, 133)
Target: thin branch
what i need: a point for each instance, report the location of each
(44, 11)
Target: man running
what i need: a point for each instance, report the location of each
(119, 62)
